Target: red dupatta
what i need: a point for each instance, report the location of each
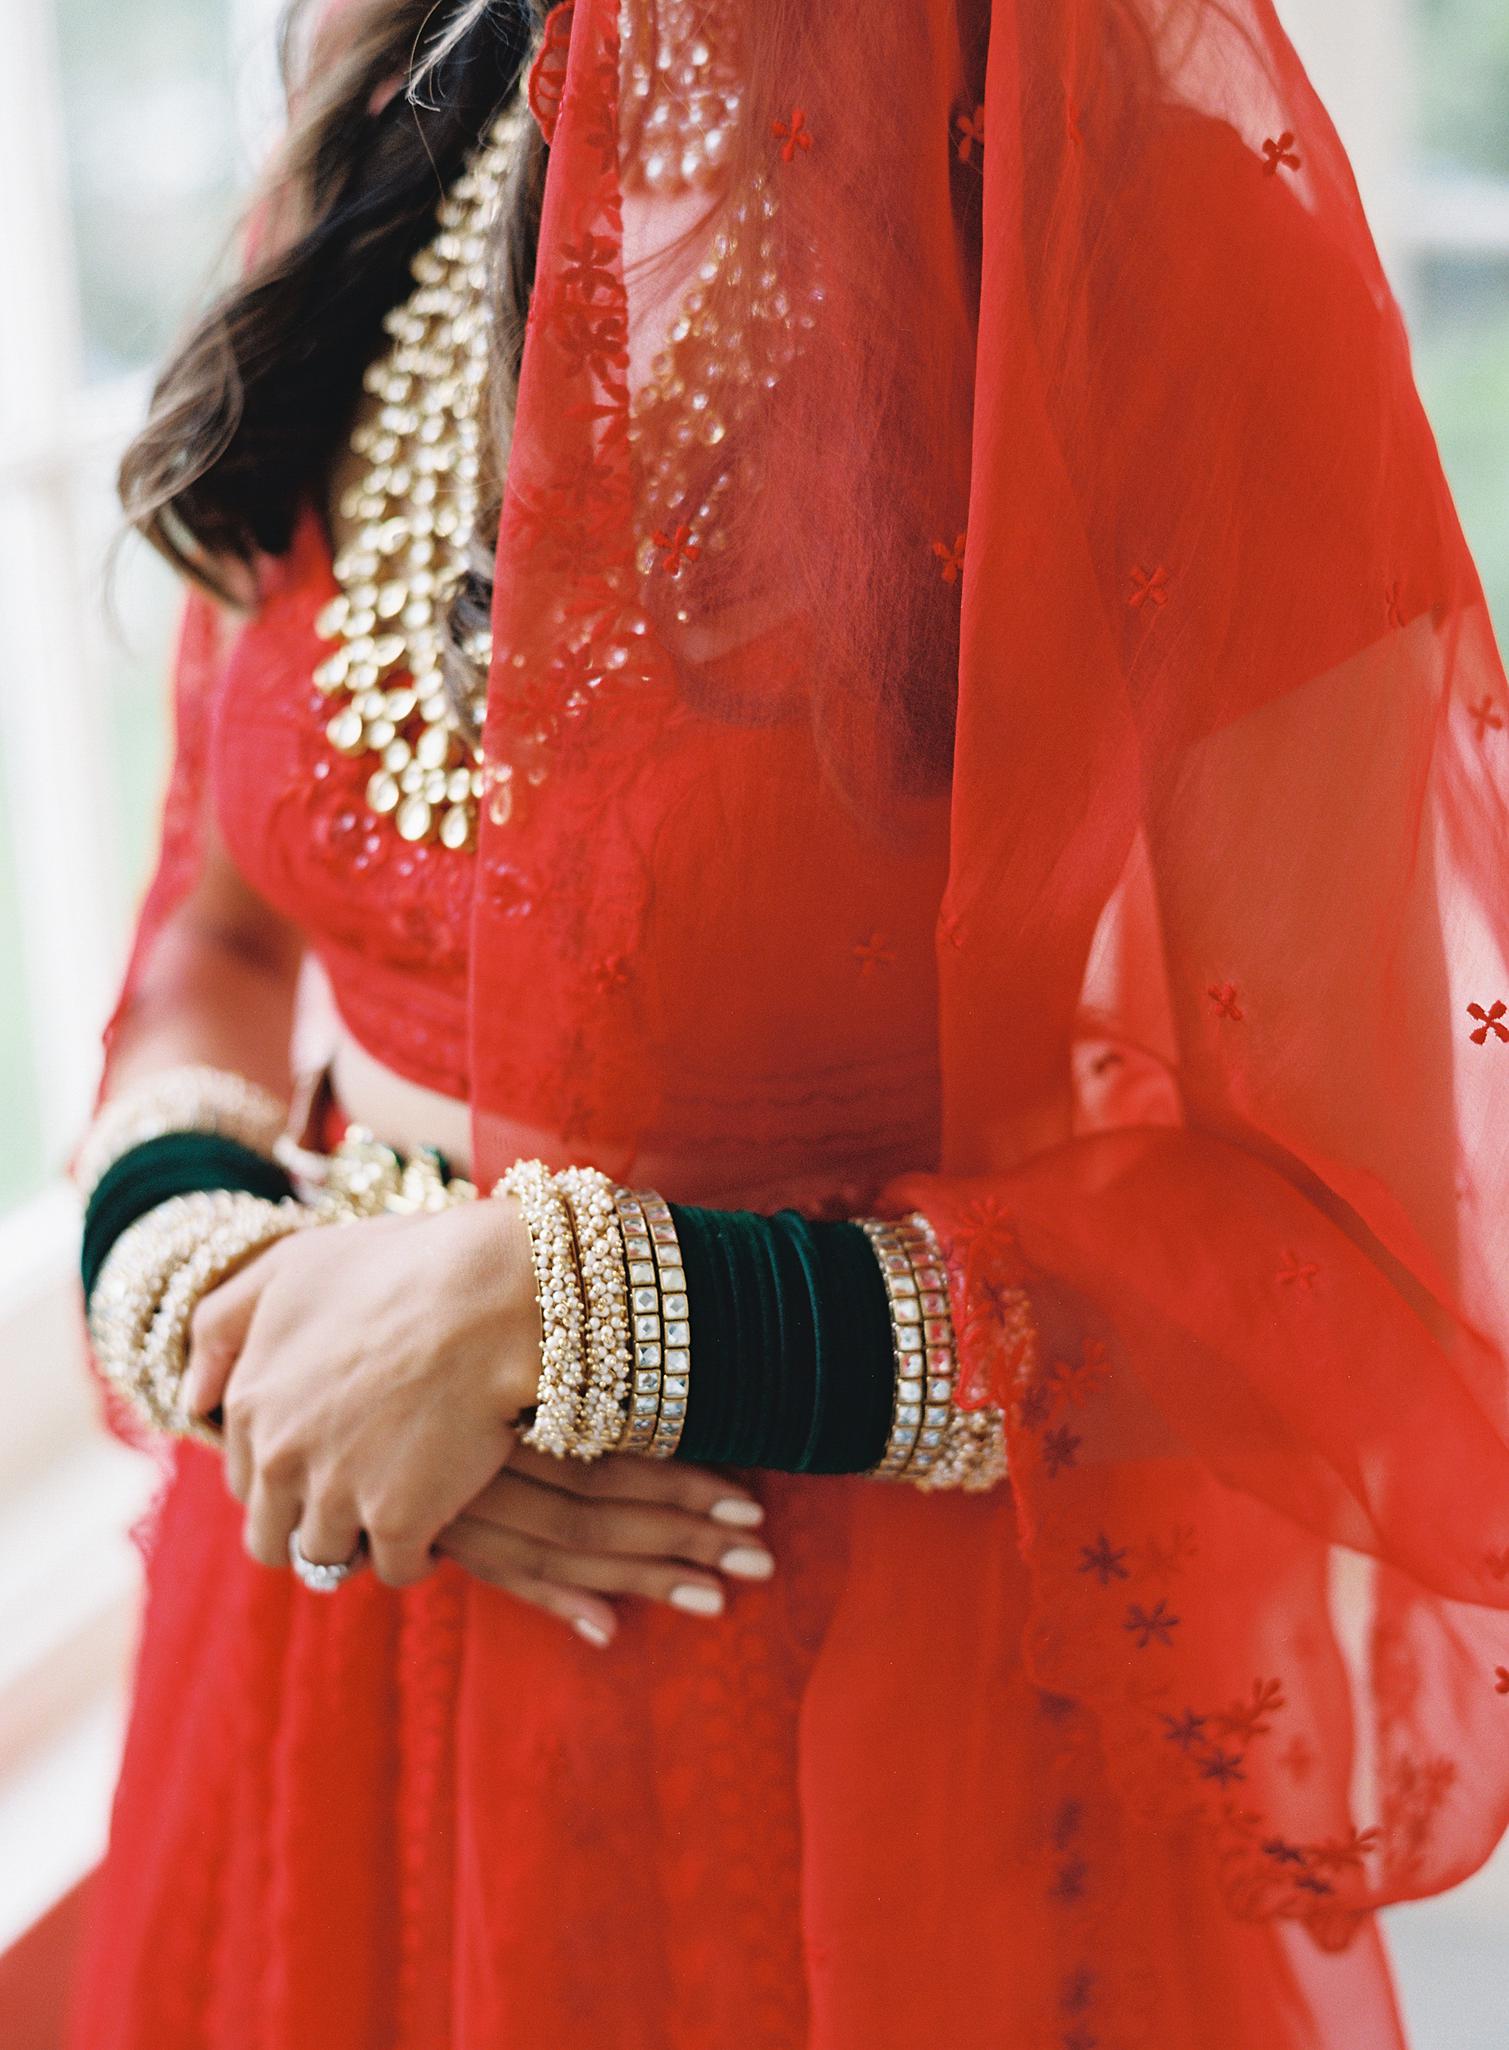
(1046, 423)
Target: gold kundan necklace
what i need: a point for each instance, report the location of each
(417, 507)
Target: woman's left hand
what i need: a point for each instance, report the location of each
(369, 1375)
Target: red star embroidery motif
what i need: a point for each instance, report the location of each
(971, 129)
(1485, 717)
(1149, 584)
(678, 548)
(952, 559)
(1491, 1020)
(875, 952)
(1224, 996)
(793, 133)
(1280, 150)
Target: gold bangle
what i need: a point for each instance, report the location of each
(675, 1324)
(933, 1442)
(647, 1323)
(909, 1392)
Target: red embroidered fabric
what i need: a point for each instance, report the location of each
(1011, 399)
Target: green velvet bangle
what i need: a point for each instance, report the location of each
(792, 1365)
(174, 1164)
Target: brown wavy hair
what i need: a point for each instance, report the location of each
(247, 416)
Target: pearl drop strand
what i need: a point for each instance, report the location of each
(417, 504)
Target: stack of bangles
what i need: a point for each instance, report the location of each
(716, 1336)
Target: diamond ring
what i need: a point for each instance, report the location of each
(318, 1577)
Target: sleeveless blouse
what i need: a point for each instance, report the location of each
(760, 1100)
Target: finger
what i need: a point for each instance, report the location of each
(624, 1527)
(594, 1621)
(330, 1533)
(695, 1488)
(217, 1332)
(237, 1461)
(498, 1555)
(401, 1557)
(270, 1516)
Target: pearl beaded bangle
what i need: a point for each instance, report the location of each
(604, 1405)
(558, 1290)
(184, 1099)
(152, 1281)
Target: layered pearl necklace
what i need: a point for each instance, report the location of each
(417, 507)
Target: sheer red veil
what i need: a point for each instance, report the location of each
(1015, 393)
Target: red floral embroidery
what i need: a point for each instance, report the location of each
(1077, 1380)
(1498, 1563)
(588, 266)
(971, 127)
(951, 929)
(1105, 1560)
(613, 972)
(547, 75)
(1224, 996)
(1491, 1020)
(1148, 1626)
(1297, 1758)
(678, 548)
(875, 952)
(1501, 1679)
(952, 559)
(1163, 1559)
(1280, 150)
(1485, 717)
(1059, 1449)
(797, 135)
(1149, 584)
(1246, 1719)
(1297, 1273)
(1186, 1730)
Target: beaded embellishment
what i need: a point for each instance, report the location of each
(417, 504)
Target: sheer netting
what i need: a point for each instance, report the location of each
(1012, 396)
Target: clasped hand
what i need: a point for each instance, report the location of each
(368, 1376)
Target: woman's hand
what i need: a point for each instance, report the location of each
(369, 1375)
(563, 1535)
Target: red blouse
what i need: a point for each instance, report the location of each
(749, 1100)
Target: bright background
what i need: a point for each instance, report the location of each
(125, 132)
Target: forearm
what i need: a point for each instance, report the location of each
(214, 994)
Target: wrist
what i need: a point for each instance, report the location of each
(517, 1305)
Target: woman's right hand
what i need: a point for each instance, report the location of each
(574, 1538)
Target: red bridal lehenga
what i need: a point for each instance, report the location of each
(990, 709)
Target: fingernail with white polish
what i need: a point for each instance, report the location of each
(593, 1632)
(697, 1601)
(747, 1562)
(738, 1511)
